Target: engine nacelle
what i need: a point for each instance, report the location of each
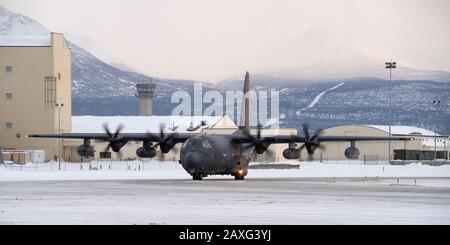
(352, 153)
(291, 153)
(85, 151)
(146, 152)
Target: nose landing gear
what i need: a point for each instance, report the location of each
(239, 174)
(197, 176)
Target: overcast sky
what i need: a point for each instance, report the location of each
(213, 40)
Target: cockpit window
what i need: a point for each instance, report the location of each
(194, 143)
(206, 144)
(198, 143)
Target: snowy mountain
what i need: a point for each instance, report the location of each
(94, 81)
(332, 72)
(307, 94)
(93, 78)
(365, 100)
(16, 24)
(369, 69)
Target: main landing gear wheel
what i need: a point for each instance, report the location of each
(197, 176)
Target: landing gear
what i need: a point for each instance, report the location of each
(240, 174)
(239, 177)
(197, 176)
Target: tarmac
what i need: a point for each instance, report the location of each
(226, 201)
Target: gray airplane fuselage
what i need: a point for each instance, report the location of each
(214, 154)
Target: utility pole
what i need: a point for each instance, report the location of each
(390, 65)
(442, 106)
(435, 142)
(59, 132)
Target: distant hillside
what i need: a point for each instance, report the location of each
(93, 79)
(359, 101)
(102, 89)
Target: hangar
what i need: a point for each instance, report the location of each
(423, 146)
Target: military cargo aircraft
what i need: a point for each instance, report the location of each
(218, 154)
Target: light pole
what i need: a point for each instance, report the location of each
(59, 132)
(439, 105)
(390, 65)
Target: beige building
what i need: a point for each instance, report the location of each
(35, 91)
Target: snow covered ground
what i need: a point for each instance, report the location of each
(162, 193)
(129, 170)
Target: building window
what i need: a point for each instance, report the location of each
(8, 95)
(8, 125)
(59, 76)
(8, 68)
(50, 92)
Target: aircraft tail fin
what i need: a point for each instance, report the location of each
(1, 156)
(245, 114)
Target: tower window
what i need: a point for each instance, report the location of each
(8, 69)
(8, 125)
(8, 95)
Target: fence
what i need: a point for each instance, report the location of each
(370, 159)
(365, 160)
(96, 165)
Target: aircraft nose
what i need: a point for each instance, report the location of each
(194, 160)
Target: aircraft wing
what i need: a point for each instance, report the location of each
(239, 138)
(359, 138)
(280, 139)
(123, 136)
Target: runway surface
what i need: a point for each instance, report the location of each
(225, 201)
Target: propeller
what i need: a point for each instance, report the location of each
(311, 142)
(192, 128)
(258, 142)
(165, 143)
(115, 142)
(174, 127)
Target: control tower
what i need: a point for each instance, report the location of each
(145, 94)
